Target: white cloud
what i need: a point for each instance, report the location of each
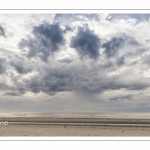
(68, 82)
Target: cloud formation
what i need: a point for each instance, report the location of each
(2, 31)
(122, 97)
(86, 43)
(47, 39)
(73, 62)
(2, 65)
(21, 65)
(111, 47)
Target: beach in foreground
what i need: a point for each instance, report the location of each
(40, 126)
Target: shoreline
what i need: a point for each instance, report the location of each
(46, 126)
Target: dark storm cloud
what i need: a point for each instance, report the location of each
(120, 61)
(21, 65)
(2, 31)
(86, 43)
(53, 32)
(115, 44)
(51, 82)
(108, 65)
(64, 77)
(12, 93)
(65, 74)
(2, 65)
(65, 60)
(111, 47)
(67, 28)
(47, 39)
(122, 97)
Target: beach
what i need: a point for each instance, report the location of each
(54, 126)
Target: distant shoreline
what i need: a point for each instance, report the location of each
(55, 126)
(78, 115)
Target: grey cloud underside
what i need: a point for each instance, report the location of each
(115, 44)
(21, 65)
(48, 80)
(122, 97)
(13, 93)
(65, 60)
(47, 39)
(86, 43)
(107, 83)
(146, 59)
(71, 74)
(2, 31)
(50, 83)
(71, 77)
(67, 28)
(120, 61)
(111, 47)
(2, 65)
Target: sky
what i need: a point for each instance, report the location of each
(75, 63)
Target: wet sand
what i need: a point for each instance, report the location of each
(49, 126)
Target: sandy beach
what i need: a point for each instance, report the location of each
(50, 126)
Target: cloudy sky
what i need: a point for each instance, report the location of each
(75, 63)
